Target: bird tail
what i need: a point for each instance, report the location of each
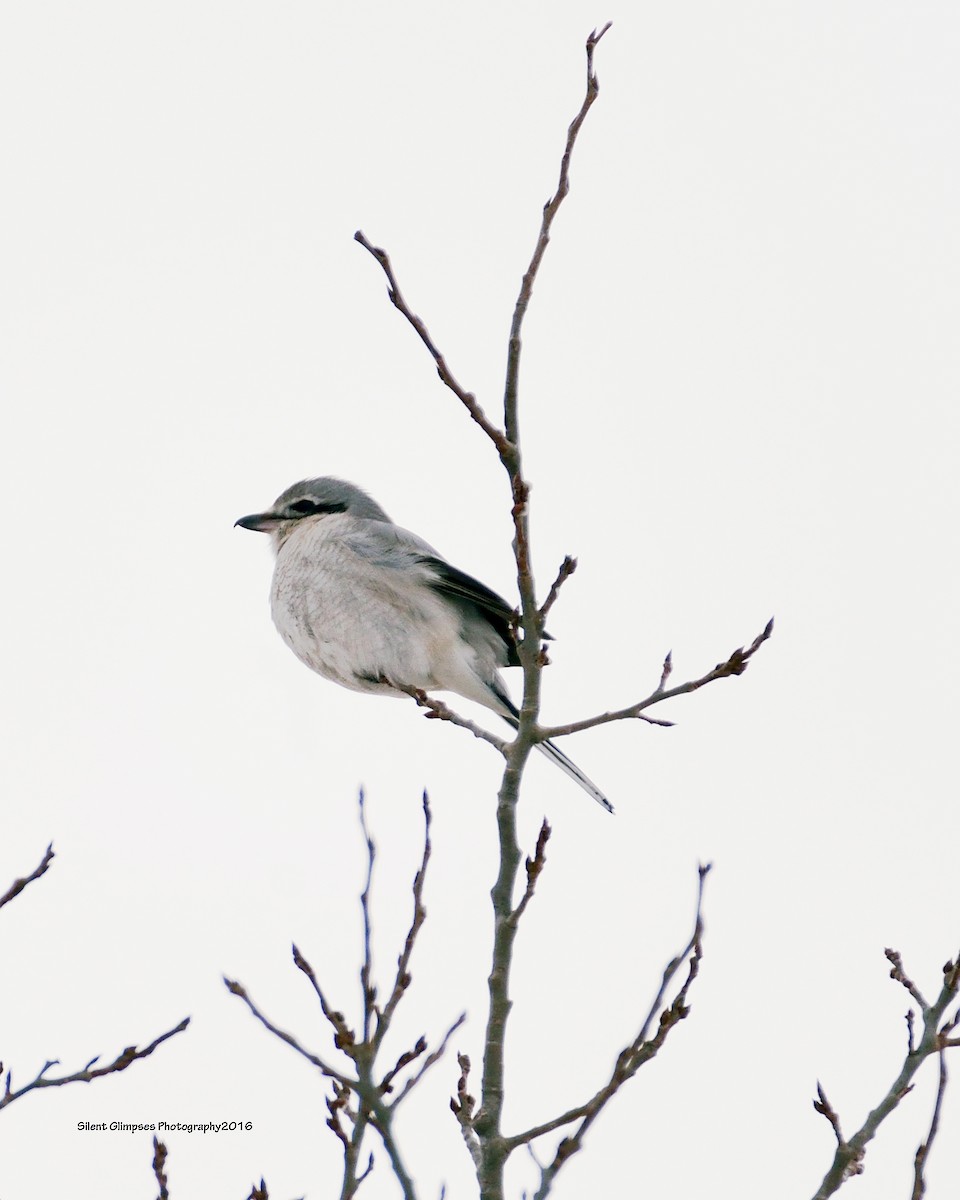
(571, 769)
(555, 755)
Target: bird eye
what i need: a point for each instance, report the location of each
(303, 508)
(310, 508)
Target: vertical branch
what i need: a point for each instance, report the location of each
(510, 456)
(488, 1123)
(366, 970)
(511, 389)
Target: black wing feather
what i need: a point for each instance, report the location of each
(460, 586)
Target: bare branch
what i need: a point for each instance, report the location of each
(237, 989)
(18, 885)
(350, 1121)
(343, 1034)
(848, 1160)
(402, 980)
(897, 973)
(405, 1059)
(550, 210)
(736, 664)
(159, 1160)
(910, 1019)
(467, 399)
(534, 867)
(441, 712)
(123, 1060)
(923, 1150)
(430, 1060)
(567, 568)
(367, 988)
(463, 1107)
(483, 1132)
(631, 1058)
(825, 1108)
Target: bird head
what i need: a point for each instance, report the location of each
(309, 500)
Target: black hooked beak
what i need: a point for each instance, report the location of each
(260, 522)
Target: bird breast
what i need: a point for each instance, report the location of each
(357, 621)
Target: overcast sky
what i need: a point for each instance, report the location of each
(739, 399)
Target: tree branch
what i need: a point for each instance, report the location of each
(848, 1160)
(431, 1059)
(467, 399)
(402, 979)
(736, 664)
(550, 210)
(923, 1150)
(18, 885)
(372, 1109)
(159, 1161)
(442, 712)
(567, 568)
(534, 867)
(367, 988)
(237, 989)
(123, 1060)
(641, 1050)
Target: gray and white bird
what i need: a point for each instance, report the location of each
(370, 606)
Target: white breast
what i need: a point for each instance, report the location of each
(356, 621)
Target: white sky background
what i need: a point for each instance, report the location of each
(738, 397)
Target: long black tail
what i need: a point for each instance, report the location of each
(555, 755)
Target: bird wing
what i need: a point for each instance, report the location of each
(459, 586)
(389, 546)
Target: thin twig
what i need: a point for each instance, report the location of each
(442, 712)
(18, 885)
(237, 989)
(430, 1060)
(402, 979)
(159, 1160)
(923, 1150)
(550, 210)
(467, 399)
(343, 1035)
(123, 1060)
(369, 992)
(463, 1108)
(897, 972)
(348, 1121)
(534, 867)
(641, 1050)
(567, 568)
(826, 1109)
(850, 1153)
(736, 664)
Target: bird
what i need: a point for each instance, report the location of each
(376, 609)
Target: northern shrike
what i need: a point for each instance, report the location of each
(370, 606)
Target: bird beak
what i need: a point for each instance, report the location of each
(261, 522)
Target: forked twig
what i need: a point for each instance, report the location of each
(850, 1153)
(360, 1091)
(641, 1050)
(123, 1060)
(736, 664)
